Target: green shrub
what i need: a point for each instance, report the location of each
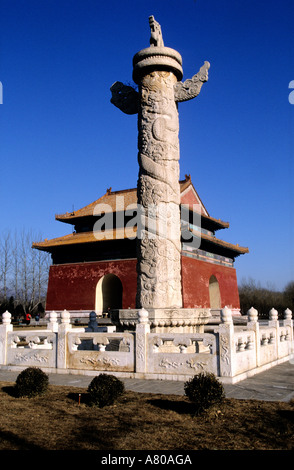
(204, 390)
(31, 382)
(104, 390)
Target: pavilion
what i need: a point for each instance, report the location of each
(96, 271)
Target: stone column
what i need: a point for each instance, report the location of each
(226, 343)
(157, 70)
(273, 318)
(159, 230)
(5, 328)
(62, 342)
(252, 324)
(287, 321)
(274, 323)
(53, 323)
(142, 330)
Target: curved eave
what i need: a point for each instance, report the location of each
(232, 250)
(216, 244)
(85, 237)
(214, 224)
(206, 221)
(75, 219)
(111, 201)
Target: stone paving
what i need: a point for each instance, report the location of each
(275, 384)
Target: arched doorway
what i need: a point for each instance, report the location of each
(108, 293)
(214, 293)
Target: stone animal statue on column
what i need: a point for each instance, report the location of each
(156, 34)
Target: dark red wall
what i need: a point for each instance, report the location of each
(195, 281)
(73, 286)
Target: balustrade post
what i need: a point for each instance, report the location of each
(226, 343)
(52, 325)
(5, 327)
(289, 322)
(142, 330)
(253, 324)
(274, 323)
(273, 317)
(63, 329)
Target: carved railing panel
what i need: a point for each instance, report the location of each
(34, 348)
(101, 351)
(181, 354)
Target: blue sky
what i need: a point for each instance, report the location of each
(63, 143)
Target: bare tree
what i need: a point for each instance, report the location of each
(5, 249)
(289, 294)
(23, 270)
(252, 294)
(15, 268)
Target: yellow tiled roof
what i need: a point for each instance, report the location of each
(217, 241)
(120, 234)
(87, 237)
(115, 201)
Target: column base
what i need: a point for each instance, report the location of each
(165, 320)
